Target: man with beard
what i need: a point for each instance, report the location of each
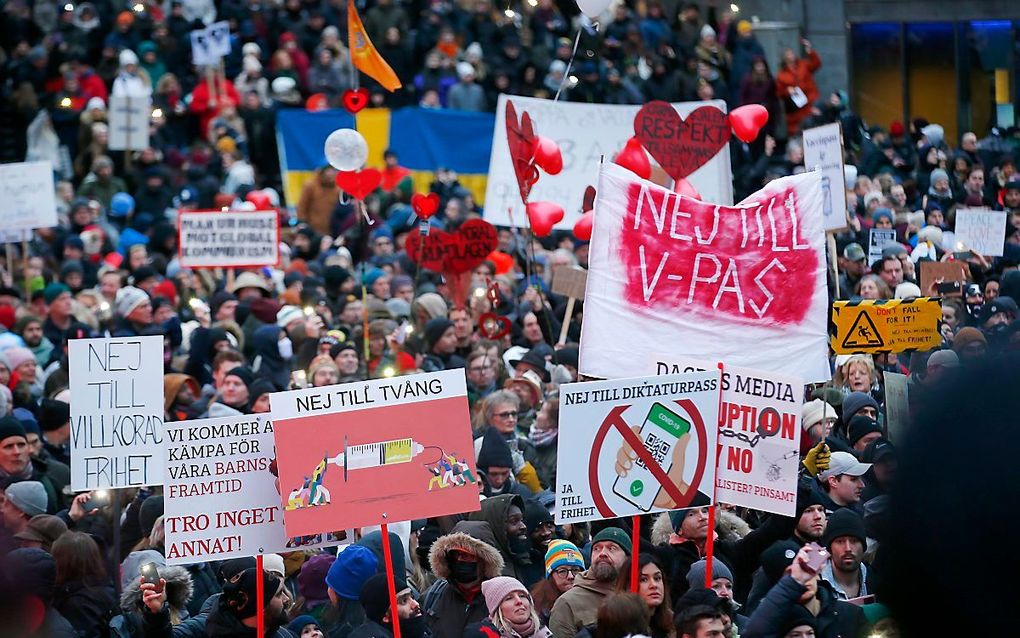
(375, 599)
(846, 540)
(505, 515)
(578, 607)
(541, 530)
(235, 614)
(31, 330)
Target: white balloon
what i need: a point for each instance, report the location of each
(593, 8)
(346, 149)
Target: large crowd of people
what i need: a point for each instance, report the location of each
(345, 303)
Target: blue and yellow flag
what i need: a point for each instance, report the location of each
(423, 139)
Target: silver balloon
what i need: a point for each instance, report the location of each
(346, 149)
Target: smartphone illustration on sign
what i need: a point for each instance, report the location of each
(660, 432)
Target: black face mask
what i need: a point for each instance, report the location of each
(462, 571)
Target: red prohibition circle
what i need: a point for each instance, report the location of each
(615, 420)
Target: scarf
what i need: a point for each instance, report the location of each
(524, 630)
(542, 438)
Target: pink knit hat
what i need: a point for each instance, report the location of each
(498, 588)
(17, 355)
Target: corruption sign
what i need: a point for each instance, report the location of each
(228, 239)
(222, 493)
(386, 450)
(635, 446)
(759, 435)
(885, 325)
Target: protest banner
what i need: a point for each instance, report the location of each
(982, 231)
(116, 412)
(636, 446)
(210, 44)
(759, 435)
(933, 272)
(897, 406)
(222, 497)
(885, 325)
(736, 284)
(587, 135)
(129, 122)
(388, 467)
(211, 239)
(823, 151)
(878, 239)
(26, 190)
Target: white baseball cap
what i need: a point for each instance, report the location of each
(844, 463)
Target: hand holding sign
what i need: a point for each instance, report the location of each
(626, 458)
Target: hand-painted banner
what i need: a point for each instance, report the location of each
(636, 446)
(731, 283)
(587, 135)
(823, 151)
(980, 230)
(886, 325)
(759, 435)
(222, 494)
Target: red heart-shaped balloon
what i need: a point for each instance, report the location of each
(686, 189)
(583, 226)
(543, 216)
(355, 99)
(260, 199)
(425, 206)
(493, 326)
(548, 156)
(317, 102)
(681, 146)
(455, 253)
(746, 121)
(502, 261)
(359, 184)
(520, 135)
(634, 158)
(588, 202)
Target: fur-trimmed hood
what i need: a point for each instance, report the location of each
(472, 536)
(178, 589)
(728, 525)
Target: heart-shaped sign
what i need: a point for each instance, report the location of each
(681, 145)
(543, 216)
(493, 326)
(359, 184)
(457, 252)
(588, 202)
(355, 99)
(425, 206)
(520, 135)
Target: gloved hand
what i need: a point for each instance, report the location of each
(817, 459)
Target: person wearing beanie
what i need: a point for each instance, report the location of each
(578, 607)
(55, 421)
(24, 500)
(441, 340)
(817, 419)
(796, 590)
(496, 465)
(862, 430)
(722, 577)
(289, 316)
(41, 531)
(375, 598)
(853, 404)
(970, 345)
(541, 530)
(563, 563)
(846, 540)
(344, 580)
(305, 626)
(311, 583)
(150, 510)
(234, 393)
(133, 309)
(512, 612)
(21, 362)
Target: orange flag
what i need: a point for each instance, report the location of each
(363, 54)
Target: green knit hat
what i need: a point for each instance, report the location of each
(616, 535)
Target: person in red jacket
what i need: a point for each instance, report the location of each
(795, 85)
(209, 98)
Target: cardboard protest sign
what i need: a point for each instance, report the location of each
(636, 446)
(897, 405)
(946, 271)
(878, 239)
(759, 435)
(222, 498)
(731, 283)
(385, 450)
(823, 151)
(26, 190)
(211, 239)
(15, 236)
(116, 412)
(981, 230)
(129, 122)
(587, 135)
(885, 325)
(569, 281)
(210, 44)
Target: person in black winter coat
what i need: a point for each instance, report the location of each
(375, 598)
(83, 593)
(272, 354)
(33, 573)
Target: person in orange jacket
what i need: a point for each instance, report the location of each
(795, 85)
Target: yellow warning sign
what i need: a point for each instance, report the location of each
(885, 325)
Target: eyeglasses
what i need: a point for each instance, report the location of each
(506, 415)
(567, 571)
